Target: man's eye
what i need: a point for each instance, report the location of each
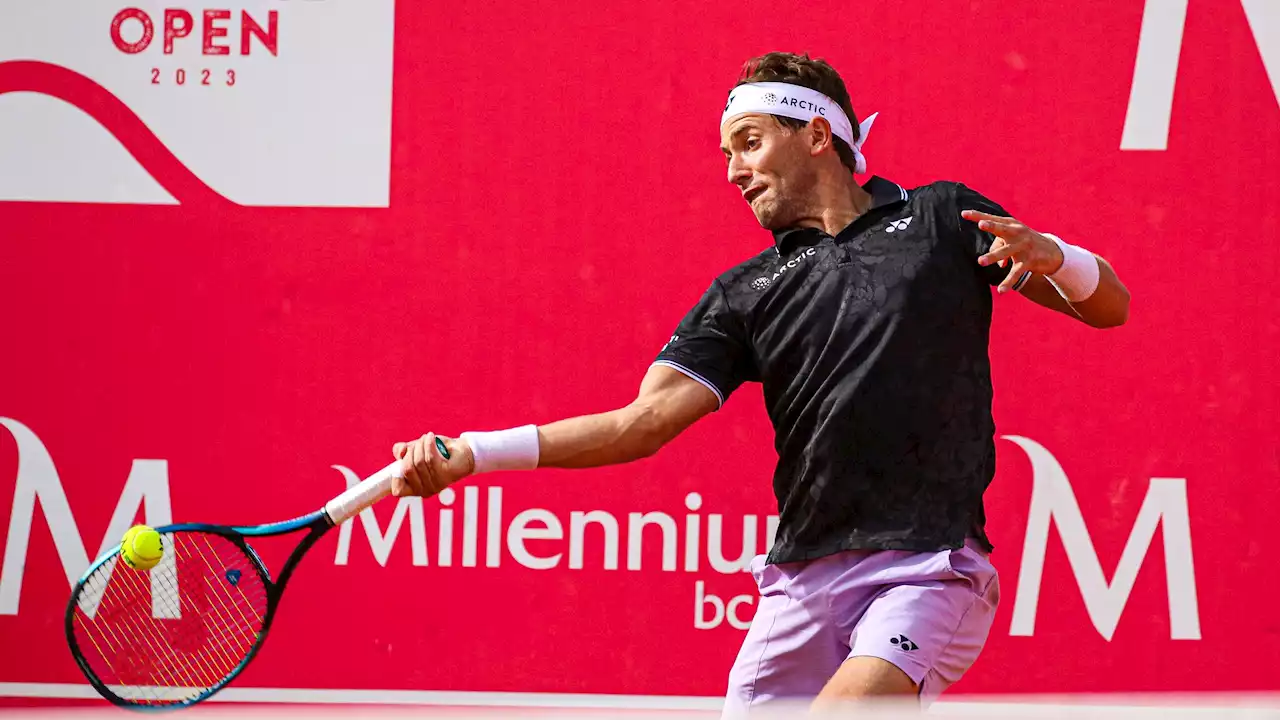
(753, 143)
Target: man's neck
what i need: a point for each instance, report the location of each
(837, 203)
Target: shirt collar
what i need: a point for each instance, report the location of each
(883, 192)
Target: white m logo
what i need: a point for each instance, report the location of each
(1052, 498)
(37, 478)
(1155, 72)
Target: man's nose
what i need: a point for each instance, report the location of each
(739, 174)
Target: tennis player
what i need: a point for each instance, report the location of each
(867, 323)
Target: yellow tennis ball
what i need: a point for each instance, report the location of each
(141, 548)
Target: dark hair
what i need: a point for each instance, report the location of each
(806, 72)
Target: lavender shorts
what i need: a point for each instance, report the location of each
(927, 613)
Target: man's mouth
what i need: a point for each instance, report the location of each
(750, 194)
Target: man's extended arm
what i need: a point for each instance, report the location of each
(667, 403)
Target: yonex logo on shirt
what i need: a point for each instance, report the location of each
(898, 225)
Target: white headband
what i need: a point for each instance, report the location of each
(800, 103)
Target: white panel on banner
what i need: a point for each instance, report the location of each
(265, 102)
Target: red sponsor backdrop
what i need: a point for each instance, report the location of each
(557, 203)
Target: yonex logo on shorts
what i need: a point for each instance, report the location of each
(904, 643)
(898, 225)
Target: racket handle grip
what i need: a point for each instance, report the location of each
(358, 497)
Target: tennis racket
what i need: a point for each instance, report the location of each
(176, 634)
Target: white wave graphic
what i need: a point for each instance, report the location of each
(51, 151)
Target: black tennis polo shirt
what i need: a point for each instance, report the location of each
(871, 347)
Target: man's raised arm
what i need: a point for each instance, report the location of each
(1052, 273)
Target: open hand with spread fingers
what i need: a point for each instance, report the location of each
(1017, 245)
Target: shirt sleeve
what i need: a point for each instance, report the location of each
(978, 242)
(710, 346)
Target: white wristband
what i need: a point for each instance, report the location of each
(514, 449)
(1078, 277)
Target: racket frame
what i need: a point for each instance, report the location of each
(317, 522)
(338, 510)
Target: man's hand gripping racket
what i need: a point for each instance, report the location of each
(175, 635)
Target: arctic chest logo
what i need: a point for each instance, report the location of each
(764, 281)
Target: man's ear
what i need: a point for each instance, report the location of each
(820, 136)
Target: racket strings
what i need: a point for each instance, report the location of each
(169, 635)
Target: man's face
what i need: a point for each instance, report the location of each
(772, 167)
